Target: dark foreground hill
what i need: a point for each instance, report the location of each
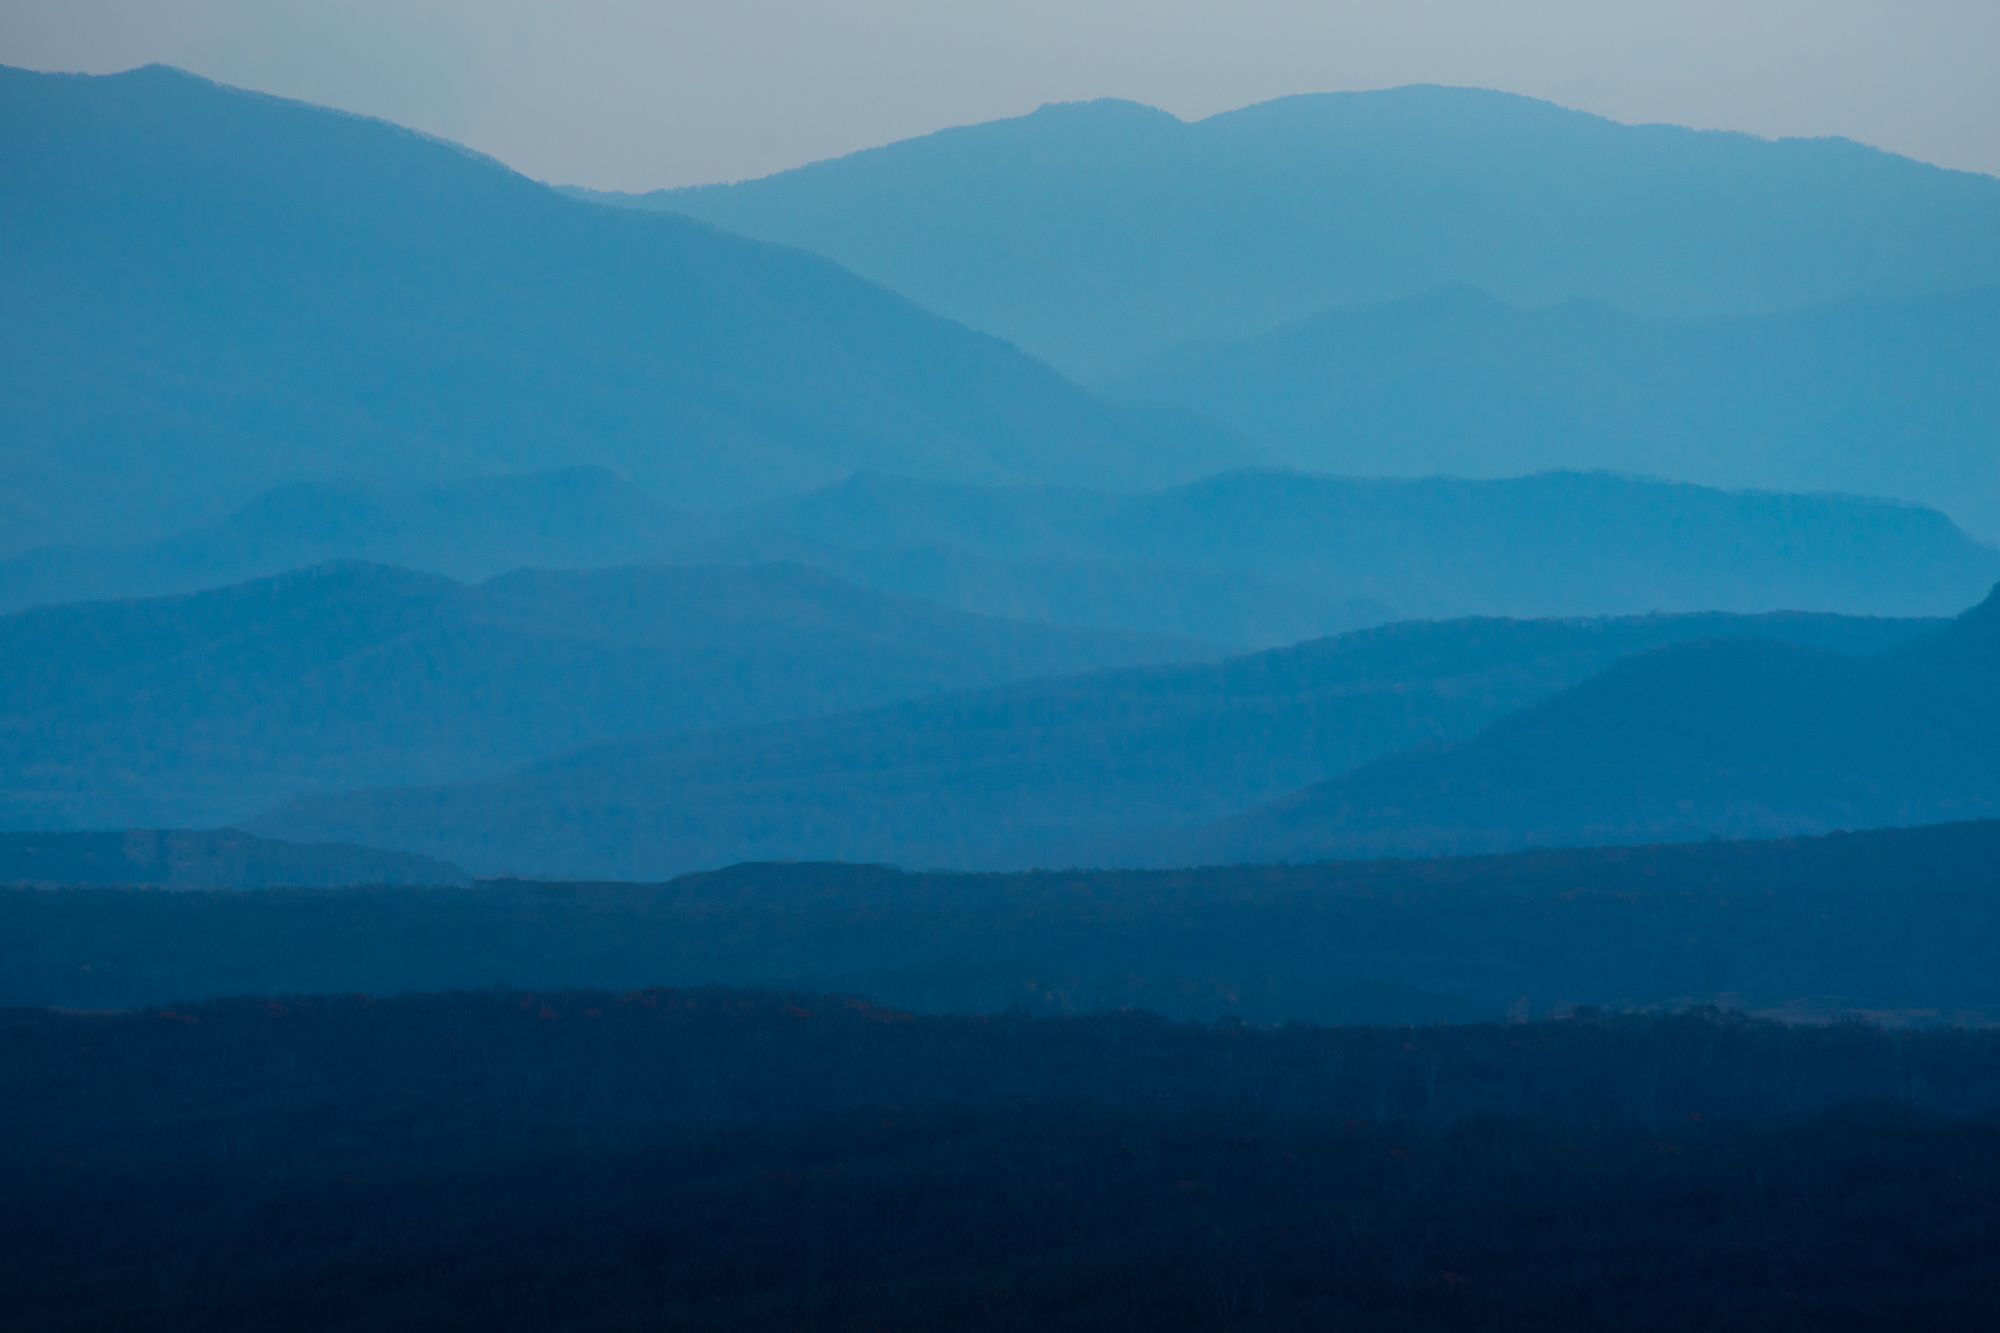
(1900, 924)
(200, 709)
(212, 292)
(1876, 397)
(1096, 234)
(1075, 771)
(1724, 739)
(206, 859)
(599, 1161)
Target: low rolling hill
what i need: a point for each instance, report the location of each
(199, 709)
(1062, 772)
(1896, 924)
(206, 859)
(1723, 739)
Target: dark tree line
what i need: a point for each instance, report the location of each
(590, 1160)
(1902, 923)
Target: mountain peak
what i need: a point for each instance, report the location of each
(1104, 110)
(1403, 99)
(1099, 234)
(501, 328)
(160, 72)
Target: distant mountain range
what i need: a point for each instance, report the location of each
(206, 859)
(586, 518)
(471, 529)
(1890, 398)
(212, 292)
(1100, 234)
(357, 480)
(1210, 601)
(1077, 771)
(1726, 739)
(1246, 560)
(1551, 545)
(193, 710)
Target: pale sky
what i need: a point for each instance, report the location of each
(636, 94)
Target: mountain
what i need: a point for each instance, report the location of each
(587, 518)
(1215, 601)
(1245, 560)
(1101, 233)
(206, 859)
(1060, 772)
(195, 710)
(212, 293)
(1890, 398)
(470, 529)
(1722, 739)
(1311, 546)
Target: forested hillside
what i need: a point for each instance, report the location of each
(733, 1161)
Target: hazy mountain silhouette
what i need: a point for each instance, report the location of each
(1099, 233)
(584, 518)
(1550, 545)
(1052, 773)
(573, 518)
(213, 292)
(193, 710)
(1726, 739)
(206, 859)
(1890, 398)
(1247, 560)
(1221, 603)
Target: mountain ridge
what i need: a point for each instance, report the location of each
(1885, 397)
(1550, 544)
(207, 859)
(1096, 248)
(192, 710)
(1243, 559)
(469, 529)
(279, 293)
(1074, 771)
(1686, 742)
